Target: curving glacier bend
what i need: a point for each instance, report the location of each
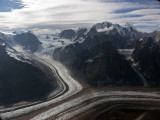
(73, 88)
(66, 112)
(71, 108)
(71, 98)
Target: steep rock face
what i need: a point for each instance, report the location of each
(147, 58)
(21, 81)
(80, 34)
(119, 36)
(156, 36)
(2, 42)
(67, 34)
(28, 40)
(68, 53)
(102, 65)
(6, 38)
(127, 30)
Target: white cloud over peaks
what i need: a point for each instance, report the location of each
(50, 15)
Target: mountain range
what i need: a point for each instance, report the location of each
(119, 37)
(92, 54)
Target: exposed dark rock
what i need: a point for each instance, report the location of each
(80, 34)
(128, 31)
(156, 36)
(147, 58)
(21, 81)
(68, 53)
(28, 40)
(103, 65)
(119, 36)
(67, 34)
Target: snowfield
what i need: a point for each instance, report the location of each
(50, 43)
(126, 52)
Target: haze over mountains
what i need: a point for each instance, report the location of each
(79, 59)
(91, 54)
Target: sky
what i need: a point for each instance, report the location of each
(51, 16)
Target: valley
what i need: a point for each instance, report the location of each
(95, 73)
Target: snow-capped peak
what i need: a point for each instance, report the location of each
(130, 26)
(108, 27)
(103, 25)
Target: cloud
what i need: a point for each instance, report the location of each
(51, 15)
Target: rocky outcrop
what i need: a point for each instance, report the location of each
(67, 34)
(127, 30)
(67, 54)
(147, 59)
(156, 36)
(119, 36)
(28, 40)
(103, 65)
(21, 81)
(80, 34)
